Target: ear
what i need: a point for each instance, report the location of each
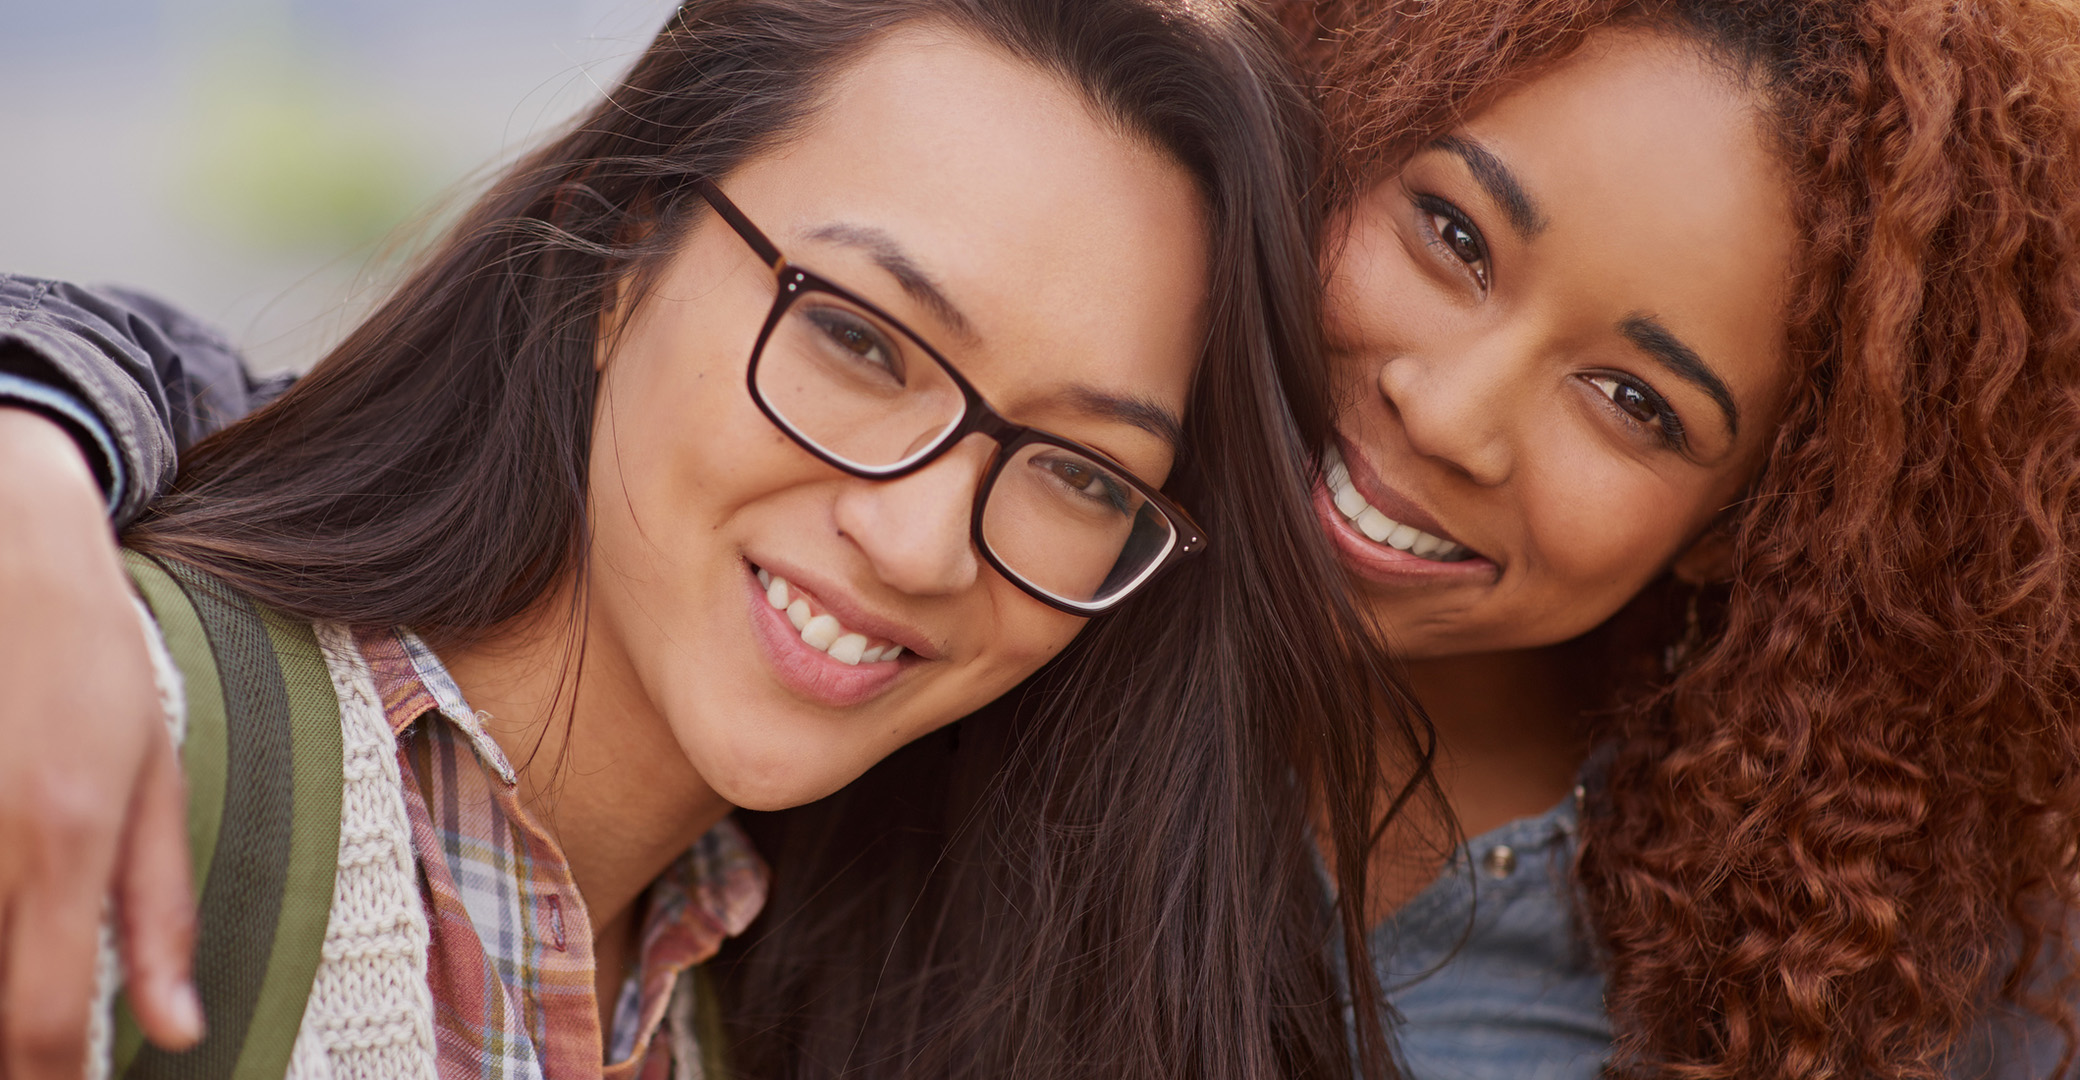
(1709, 559)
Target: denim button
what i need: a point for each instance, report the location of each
(1500, 861)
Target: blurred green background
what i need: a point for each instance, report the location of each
(266, 163)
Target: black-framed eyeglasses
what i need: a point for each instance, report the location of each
(869, 396)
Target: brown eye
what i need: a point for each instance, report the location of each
(1641, 405)
(857, 339)
(1629, 399)
(1461, 243)
(859, 343)
(1075, 476)
(1453, 232)
(1086, 480)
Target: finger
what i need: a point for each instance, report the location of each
(156, 905)
(53, 939)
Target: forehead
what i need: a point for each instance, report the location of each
(1649, 161)
(1075, 251)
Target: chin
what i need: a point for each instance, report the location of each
(775, 774)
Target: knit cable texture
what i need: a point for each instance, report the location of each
(370, 1010)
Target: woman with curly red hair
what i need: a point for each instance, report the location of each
(1712, 418)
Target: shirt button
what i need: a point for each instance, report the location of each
(556, 922)
(1500, 861)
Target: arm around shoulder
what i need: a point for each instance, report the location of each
(90, 792)
(131, 378)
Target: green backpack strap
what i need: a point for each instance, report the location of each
(708, 1029)
(262, 758)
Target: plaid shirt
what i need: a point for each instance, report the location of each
(510, 960)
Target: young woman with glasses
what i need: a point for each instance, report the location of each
(816, 389)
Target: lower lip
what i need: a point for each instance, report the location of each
(1392, 566)
(811, 673)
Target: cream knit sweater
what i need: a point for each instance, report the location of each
(370, 1014)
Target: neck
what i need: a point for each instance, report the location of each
(597, 762)
(1511, 730)
(1511, 734)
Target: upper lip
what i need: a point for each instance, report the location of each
(840, 603)
(1388, 501)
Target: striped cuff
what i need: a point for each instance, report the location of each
(84, 426)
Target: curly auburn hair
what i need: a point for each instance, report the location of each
(1847, 826)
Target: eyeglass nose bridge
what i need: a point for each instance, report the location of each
(977, 418)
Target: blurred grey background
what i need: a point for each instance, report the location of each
(266, 163)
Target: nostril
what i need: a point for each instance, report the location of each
(915, 531)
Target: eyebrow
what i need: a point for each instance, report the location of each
(1500, 183)
(1656, 340)
(1138, 411)
(891, 257)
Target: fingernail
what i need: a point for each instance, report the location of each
(185, 1010)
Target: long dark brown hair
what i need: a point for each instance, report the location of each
(1106, 874)
(1847, 834)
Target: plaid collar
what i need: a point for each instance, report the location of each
(510, 962)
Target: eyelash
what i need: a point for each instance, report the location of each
(1433, 207)
(1667, 424)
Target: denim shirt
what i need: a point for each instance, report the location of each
(1494, 978)
(1486, 967)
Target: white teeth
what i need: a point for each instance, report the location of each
(820, 632)
(1378, 527)
(848, 649)
(823, 632)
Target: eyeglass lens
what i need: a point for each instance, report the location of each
(864, 391)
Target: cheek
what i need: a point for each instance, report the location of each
(1599, 529)
(679, 454)
(1029, 634)
(678, 445)
(1017, 634)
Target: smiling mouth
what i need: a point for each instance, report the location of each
(821, 630)
(1378, 527)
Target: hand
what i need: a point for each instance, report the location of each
(92, 805)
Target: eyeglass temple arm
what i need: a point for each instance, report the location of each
(765, 248)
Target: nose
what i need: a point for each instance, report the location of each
(1458, 403)
(915, 530)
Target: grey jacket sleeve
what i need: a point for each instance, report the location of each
(131, 377)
